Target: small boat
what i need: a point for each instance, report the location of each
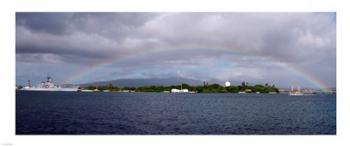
(298, 92)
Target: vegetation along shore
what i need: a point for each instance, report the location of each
(205, 88)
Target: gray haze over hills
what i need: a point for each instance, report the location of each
(145, 82)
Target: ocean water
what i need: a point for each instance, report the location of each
(164, 113)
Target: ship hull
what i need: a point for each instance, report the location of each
(51, 89)
(296, 94)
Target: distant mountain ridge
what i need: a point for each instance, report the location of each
(145, 82)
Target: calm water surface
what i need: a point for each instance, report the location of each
(161, 113)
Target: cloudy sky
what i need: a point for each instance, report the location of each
(279, 48)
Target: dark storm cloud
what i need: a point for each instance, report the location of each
(55, 23)
(112, 25)
(62, 23)
(83, 35)
(281, 36)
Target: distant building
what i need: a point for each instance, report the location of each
(227, 84)
(125, 90)
(179, 90)
(248, 90)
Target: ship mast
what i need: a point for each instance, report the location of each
(29, 84)
(48, 78)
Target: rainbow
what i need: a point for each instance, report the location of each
(308, 76)
(302, 73)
